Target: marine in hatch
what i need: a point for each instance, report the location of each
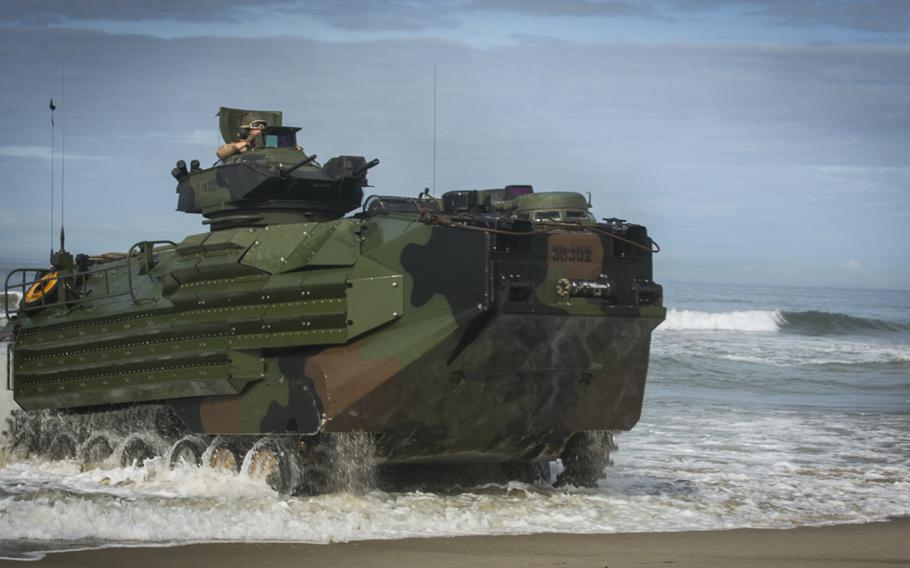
(246, 139)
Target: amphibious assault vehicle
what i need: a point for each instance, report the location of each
(502, 326)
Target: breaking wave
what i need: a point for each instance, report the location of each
(806, 323)
(10, 299)
(748, 320)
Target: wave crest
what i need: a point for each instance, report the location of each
(805, 323)
(827, 323)
(746, 320)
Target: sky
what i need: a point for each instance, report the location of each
(760, 141)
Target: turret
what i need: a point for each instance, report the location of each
(551, 207)
(520, 201)
(272, 180)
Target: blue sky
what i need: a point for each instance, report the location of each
(761, 141)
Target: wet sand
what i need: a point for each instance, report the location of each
(876, 544)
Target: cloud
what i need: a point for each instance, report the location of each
(729, 154)
(383, 15)
(41, 152)
(45, 12)
(877, 16)
(852, 265)
(195, 137)
(869, 16)
(341, 14)
(601, 8)
(26, 152)
(882, 16)
(10, 222)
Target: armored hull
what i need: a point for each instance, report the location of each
(446, 334)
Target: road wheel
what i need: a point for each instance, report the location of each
(188, 450)
(62, 447)
(224, 453)
(135, 452)
(275, 461)
(95, 450)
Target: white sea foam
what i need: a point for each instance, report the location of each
(747, 320)
(777, 442)
(10, 299)
(779, 349)
(688, 470)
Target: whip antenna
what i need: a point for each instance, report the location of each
(53, 107)
(434, 129)
(62, 154)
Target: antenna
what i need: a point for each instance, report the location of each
(434, 129)
(53, 107)
(62, 152)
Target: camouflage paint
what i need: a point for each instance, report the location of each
(451, 342)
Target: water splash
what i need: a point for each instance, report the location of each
(352, 460)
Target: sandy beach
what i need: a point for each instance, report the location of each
(875, 544)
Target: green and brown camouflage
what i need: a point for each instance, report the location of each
(461, 329)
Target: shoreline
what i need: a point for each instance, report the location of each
(868, 544)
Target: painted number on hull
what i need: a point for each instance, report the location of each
(562, 253)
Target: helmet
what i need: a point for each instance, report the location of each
(245, 128)
(257, 123)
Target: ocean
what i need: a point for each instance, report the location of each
(766, 407)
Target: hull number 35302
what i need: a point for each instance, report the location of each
(562, 253)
